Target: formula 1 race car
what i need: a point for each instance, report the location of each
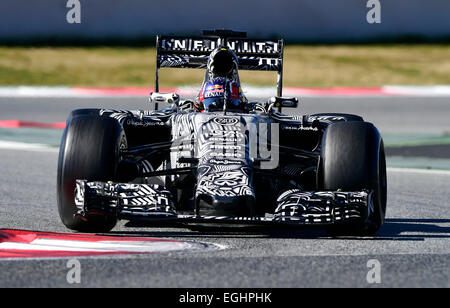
(220, 159)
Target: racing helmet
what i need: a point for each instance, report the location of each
(222, 62)
(219, 91)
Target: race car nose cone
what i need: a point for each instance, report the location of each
(238, 206)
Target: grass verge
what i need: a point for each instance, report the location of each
(305, 65)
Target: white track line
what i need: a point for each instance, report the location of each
(22, 146)
(422, 171)
(30, 91)
(437, 90)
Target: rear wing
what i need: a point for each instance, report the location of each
(193, 52)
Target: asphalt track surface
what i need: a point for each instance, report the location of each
(412, 247)
(401, 114)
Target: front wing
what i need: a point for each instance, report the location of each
(155, 203)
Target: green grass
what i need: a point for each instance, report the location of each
(305, 65)
(401, 140)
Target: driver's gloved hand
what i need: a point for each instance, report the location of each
(198, 106)
(186, 105)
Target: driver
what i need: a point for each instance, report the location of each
(221, 85)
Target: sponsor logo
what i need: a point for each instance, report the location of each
(299, 128)
(225, 162)
(215, 87)
(287, 104)
(226, 121)
(144, 123)
(324, 118)
(214, 94)
(240, 46)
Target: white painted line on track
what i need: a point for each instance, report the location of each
(436, 90)
(30, 91)
(22, 146)
(422, 171)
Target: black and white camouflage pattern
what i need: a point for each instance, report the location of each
(122, 197)
(180, 52)
(321, 207)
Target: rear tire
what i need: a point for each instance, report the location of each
(89, 151)
(353, 159)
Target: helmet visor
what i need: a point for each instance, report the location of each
(213, 104)
(216, 104)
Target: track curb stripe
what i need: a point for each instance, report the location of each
(25, 244)
(18, 124)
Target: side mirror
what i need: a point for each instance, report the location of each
(283, 102)
(168, 98)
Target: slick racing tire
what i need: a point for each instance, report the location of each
(84, 112)
(89, 151)
(353, 159)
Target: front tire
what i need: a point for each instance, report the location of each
(89, 151)
(353, 159)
